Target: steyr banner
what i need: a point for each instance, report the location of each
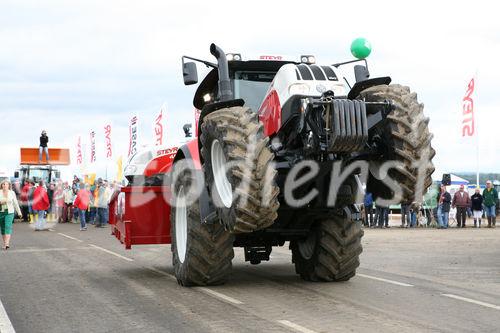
(92, 147)
(133, 132)
(468, 127)
(159, 126)
(107, 138)
(79, 157)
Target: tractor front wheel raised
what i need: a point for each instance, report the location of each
(405, 139)
(237, 163)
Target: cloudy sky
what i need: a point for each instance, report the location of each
(72, 66)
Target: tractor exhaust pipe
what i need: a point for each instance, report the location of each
(225, 91)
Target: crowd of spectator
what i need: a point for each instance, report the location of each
(458, 206)
(65, 202)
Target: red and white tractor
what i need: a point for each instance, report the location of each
(282, 152)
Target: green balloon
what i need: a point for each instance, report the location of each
(361, 48)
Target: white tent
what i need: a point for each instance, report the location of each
(455, 180)
(3, 172)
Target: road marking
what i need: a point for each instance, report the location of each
(67, 236)
(385, 280)
(473, 301)
(163, 273)
(208, 291)
(219, 295)
(296, 327)
(55, 249)
(5, 324)
(111, 252)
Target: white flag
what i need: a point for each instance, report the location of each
(92, 147)
(133, 133)
(159, 126)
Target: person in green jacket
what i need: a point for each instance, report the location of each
(490, 197)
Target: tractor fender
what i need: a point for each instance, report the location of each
(365, 84)
(270, 113)
(209, 108)
(161, 163)
(190, 151)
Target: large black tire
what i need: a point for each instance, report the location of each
(331, 250)
(405, 138)
(240, 134)
(209, 247)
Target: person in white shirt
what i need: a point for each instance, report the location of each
(69, 197)
(8, 206)
(102, 203)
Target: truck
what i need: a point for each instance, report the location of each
(281, 152)
(31, 168)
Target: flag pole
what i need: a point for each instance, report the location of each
(477, 135)
(477, 159)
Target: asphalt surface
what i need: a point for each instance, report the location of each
(409, 281)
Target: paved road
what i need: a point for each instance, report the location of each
(409, 280)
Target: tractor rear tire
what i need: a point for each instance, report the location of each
(201, 253)
(238, 162)
(331, 250)
(406, 139)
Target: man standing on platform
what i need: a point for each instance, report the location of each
(43, 148)
(461, 201)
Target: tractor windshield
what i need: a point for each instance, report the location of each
(252, 87)
(37, 174)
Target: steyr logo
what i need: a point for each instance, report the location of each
(320, 88)
(270, 57)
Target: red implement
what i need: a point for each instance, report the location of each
(140, 215)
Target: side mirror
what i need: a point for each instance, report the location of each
(16, 174)
(190, 73)
(187, 130)
(58, 174)
(361, 73)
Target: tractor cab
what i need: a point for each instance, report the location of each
(250, 81)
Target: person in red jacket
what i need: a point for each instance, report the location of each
(82, 203)
(40, 205)
(25, 199)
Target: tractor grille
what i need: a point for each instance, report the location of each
(346, 121)
(314, 72)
